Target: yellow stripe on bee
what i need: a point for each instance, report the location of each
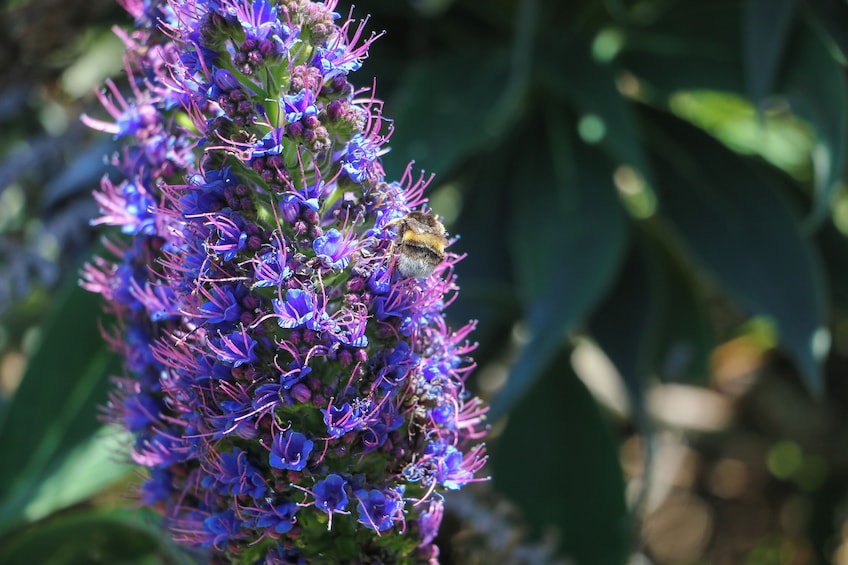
(427, 240)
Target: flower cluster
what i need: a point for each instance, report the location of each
(283, 378)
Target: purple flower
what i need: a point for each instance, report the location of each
(222, 304)
(235, 348)
(430, 520)
(157, 488)
(271, 268)
(379, 510)
(330, 495)
(231, 239)
(279, 517)
(272, 143)
(290, 450)
(333, 249)
(340, 419)
(235, 475)
(256, 294)
(299, 309)
(220, 528)
(298, 106)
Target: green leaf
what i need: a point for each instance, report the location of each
(833, 246)
(568, 238)
(742, 231)
(766, 26)
(589, 85)
(447, 109)
(689, 46)
(55, 409)
(813, 82)
(488, 288)
(90, 467)
(623, 326)
(558, 459)
(697, 47)
(832, 15)
(684, 335)
(81, 538)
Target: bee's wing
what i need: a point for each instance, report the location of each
(418, 227)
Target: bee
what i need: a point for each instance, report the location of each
(420, 244)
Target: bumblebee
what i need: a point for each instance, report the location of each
(420, 244)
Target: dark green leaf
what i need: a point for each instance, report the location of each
(568, 237)
(766, 26)
(447, 109)
(590, 87)
(623, 327)
(743, 232)
(685, 338)
(486, 276)
(833, 245)
(833, 16)
(814, 84)
(55, 408)
(691, 45)
(81, 538)
(559, 460)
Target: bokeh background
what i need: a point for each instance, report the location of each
(652, 201)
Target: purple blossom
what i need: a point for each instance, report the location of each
(430, 520)
(330, 495)
(299, 106)
(299, 308)
(333, 249)
(290, 450)
(379, 510)
(220, 528)
(236, 476)
(281, 377)
(231, 239)
(235, 348)
(340, 419)
(279, 517)
(157, 488)
(222, 304)
(271, 268)
(258, 20)
(272, 143)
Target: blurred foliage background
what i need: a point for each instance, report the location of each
(652, 201)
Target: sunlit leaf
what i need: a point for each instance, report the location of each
(813, 82)
(93, 465)
(55, 409)
(743, 232)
